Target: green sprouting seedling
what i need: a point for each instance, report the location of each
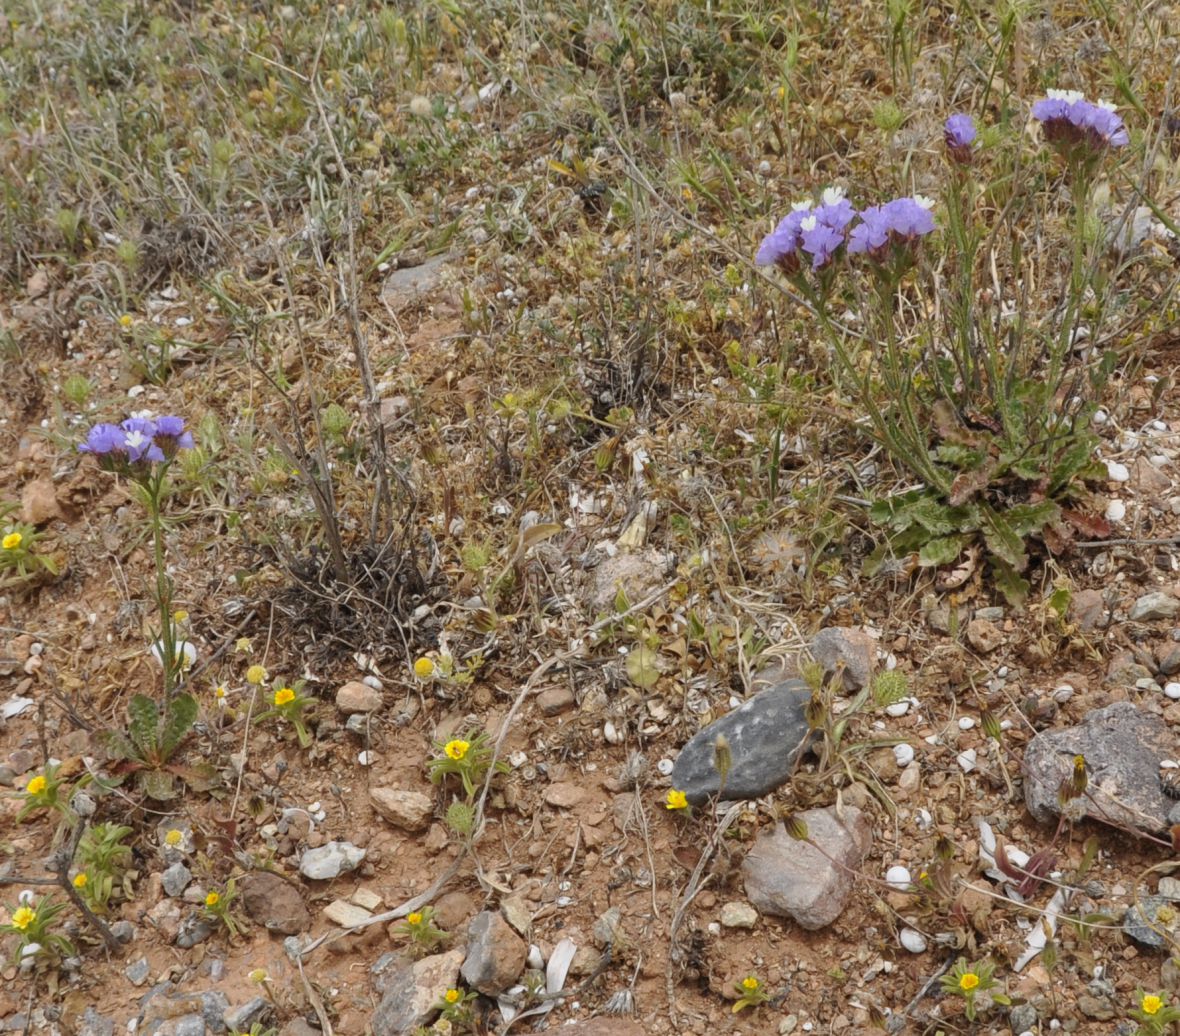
(468, 757)
(289, 704)
(102, 860)
(420, 929)
(751, 992)
(969, 981)
(219, 906)
(455, 1006)
(43, 791)
(17, 543)
(32, 921)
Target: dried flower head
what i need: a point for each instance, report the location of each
(256, 675)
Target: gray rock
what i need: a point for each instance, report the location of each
(330, 861)
(213, 1008)
(811, 883)
(1155, 605)
(635, 575)
(176, 879)
(1122, 747)
(137, 971)
(495, 954)
(1142, 922)
(766, 736)
(275, 903)
(95, 1024)
(852, 650)
(404, 285)
(184, 1025)
(1099, 1008)
(1022, 1018)
(240, 1019)
(358, 697)
(124, 931)
(194, 929)
(412, 992)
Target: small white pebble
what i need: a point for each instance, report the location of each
(898, 708)
(1003, 672)
(904, 754)
(518, 759)
(1172, 690)
(714, 928)
(535, 958)
(898, 877)
(611, 735)
(1117, 472)
(365, 758)
(1099, 417)
(966, 722)
(1158, 426)
(912, 940)
(966, 760)
(564, 901)
(923, 819)
(1116, 511)
(664, 766)
(372, 681)
(1062, 693)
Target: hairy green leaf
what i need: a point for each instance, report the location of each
(1026, 519)
(157, 784)
(1010, 583)
(143, 726)
(182, 714)
(942, 551)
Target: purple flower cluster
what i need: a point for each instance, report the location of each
(816, 230)
(138, 439)
(897, 222)
(959, 135)
(1070, 121)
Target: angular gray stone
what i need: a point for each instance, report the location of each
(275, 903)
(766, 736)
(1154, 605)
(95, 1024)
(213, 1008)
(137, 971)
(413, 991)
(495, 954)
(184, 1025)
(786, 877)
(1142, 922)
(193, 930)
(1122, 747)
(240, 1019)
(738, 915)
(851, 650)
(176, 879)
(330, 861)
(407, 283)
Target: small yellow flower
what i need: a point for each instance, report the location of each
(212, 899)
(258, 976)
(1151, 1004)
(424, 668)
(414, 919)
(675, 799)
(180, 615)
(12, 541)
(80, 880)
(256, 674)
(23, 917)
(969, 981)
(284, 696)
(750, 984)
(457, 749)
(243, 646)
(219, 693)
(451, 996)
(36, 785)
(125, 320)
(173, 838)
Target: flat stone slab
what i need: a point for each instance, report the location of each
(766, 736)
(1122, 747)
(787, 877)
